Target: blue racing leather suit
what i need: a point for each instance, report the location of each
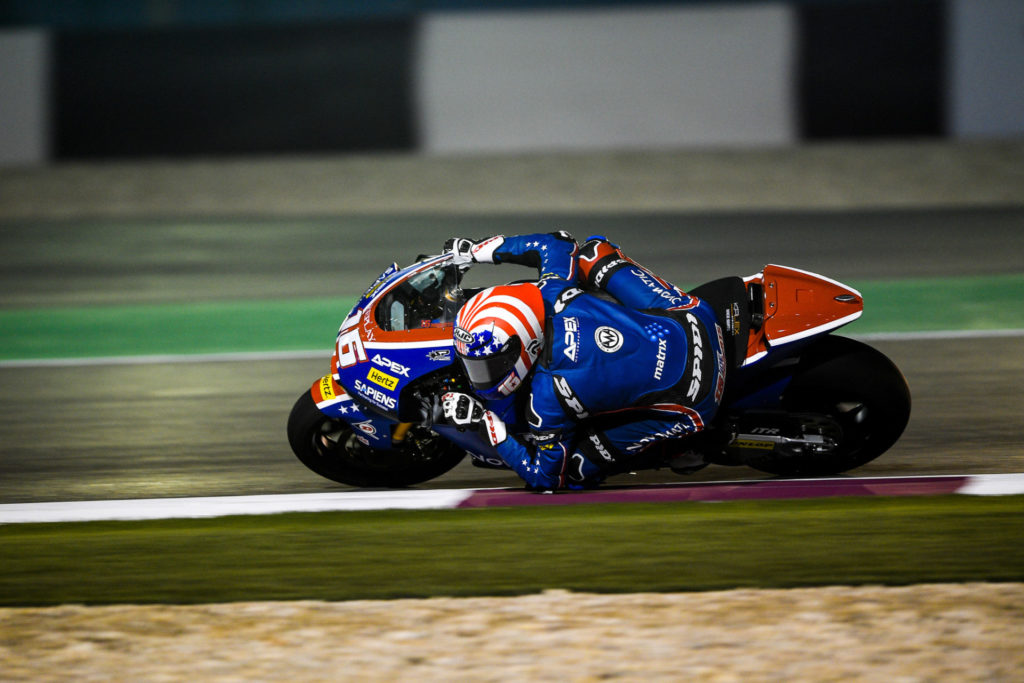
(614, 377)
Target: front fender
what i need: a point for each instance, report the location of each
(470, 441)
(333, 401)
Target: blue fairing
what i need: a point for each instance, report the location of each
(384, 354)
(371, 429)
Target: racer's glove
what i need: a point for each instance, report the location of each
(461, 250)
(464, 411)
(465, 251)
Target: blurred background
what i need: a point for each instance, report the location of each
(115, 79)
(188, 177)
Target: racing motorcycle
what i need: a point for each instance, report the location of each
(798, 401)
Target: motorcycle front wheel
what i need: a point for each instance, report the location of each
(330, 448)
(854, 389)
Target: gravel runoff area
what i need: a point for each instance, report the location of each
(940, 632)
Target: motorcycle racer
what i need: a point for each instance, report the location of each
(647, 367)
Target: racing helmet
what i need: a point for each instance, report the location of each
(498, 334)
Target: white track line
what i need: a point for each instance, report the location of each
(325, 353)
(186, 508)
(433, 499)
(938, 334)
(163, 359)
(993, 485)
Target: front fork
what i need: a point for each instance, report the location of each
(399, 433)
(374, 431)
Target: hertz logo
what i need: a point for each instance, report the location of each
(383, 379)
(326, 388)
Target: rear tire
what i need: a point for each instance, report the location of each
(856, 387)
(329, 448)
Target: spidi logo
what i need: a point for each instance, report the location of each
(698, 357)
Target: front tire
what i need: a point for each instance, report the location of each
(850, 385)
(329, 448)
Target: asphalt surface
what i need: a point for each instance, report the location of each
(115, 262)
(194, 429)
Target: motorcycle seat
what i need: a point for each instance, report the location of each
(729, 298)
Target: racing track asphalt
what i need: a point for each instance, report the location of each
(196, 429)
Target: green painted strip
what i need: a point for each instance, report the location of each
(297, 324)
(964, 303)
(991, 302)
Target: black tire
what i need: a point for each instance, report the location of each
(329, 448)
(853, 386)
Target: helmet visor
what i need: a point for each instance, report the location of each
(486, 371)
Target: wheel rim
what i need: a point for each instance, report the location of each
(854, 418)
(339, 449)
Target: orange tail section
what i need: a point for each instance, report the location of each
(799, 304)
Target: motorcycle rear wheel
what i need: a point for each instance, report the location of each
(330, 448)
(853, 386)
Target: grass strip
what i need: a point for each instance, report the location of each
(614, 548)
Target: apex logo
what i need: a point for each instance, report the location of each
(571, 340)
